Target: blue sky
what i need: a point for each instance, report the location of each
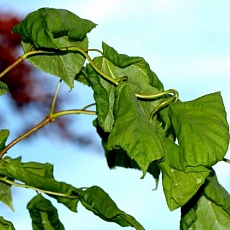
(187, 44)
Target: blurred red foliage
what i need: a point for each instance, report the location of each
(23, 86)
(26, 90)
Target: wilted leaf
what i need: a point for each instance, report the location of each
(99, 202)
(43, 214)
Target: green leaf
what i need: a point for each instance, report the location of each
(179, 185)
(43, 214)
(123, 61)
(104, 94)
(6, 195)
(5, 224)
(43, 27)
(99, 202)
(118, 157)
(165, 127)
(116, 66)
(44, 170)
(133, 132)
(82, 77)
(3, 88)
(206, 214)
(184, 186)
(136, 69)
(4, 133)
(202, 130)
(41, 179)
(40, 33)
(208, 209)
(65, 65)
(215, 192)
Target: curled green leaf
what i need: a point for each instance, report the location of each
(39, 32)
(6, 195)
(4, 133)
(99, 202)
(41, 28)
(5, 224)
(40, 176)
(43, 214)
(3, 88)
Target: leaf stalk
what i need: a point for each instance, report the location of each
(174, 98)
(226, 160)
(85, 54)
(4, 179)
(26, 134)
(55, 97)
(46, 121)
(20, 60)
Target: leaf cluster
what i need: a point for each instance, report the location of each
(142, 126)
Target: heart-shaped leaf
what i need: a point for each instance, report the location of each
(202, 130)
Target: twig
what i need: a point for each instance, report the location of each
(26, 134)
(55, 98)
(20, 60)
